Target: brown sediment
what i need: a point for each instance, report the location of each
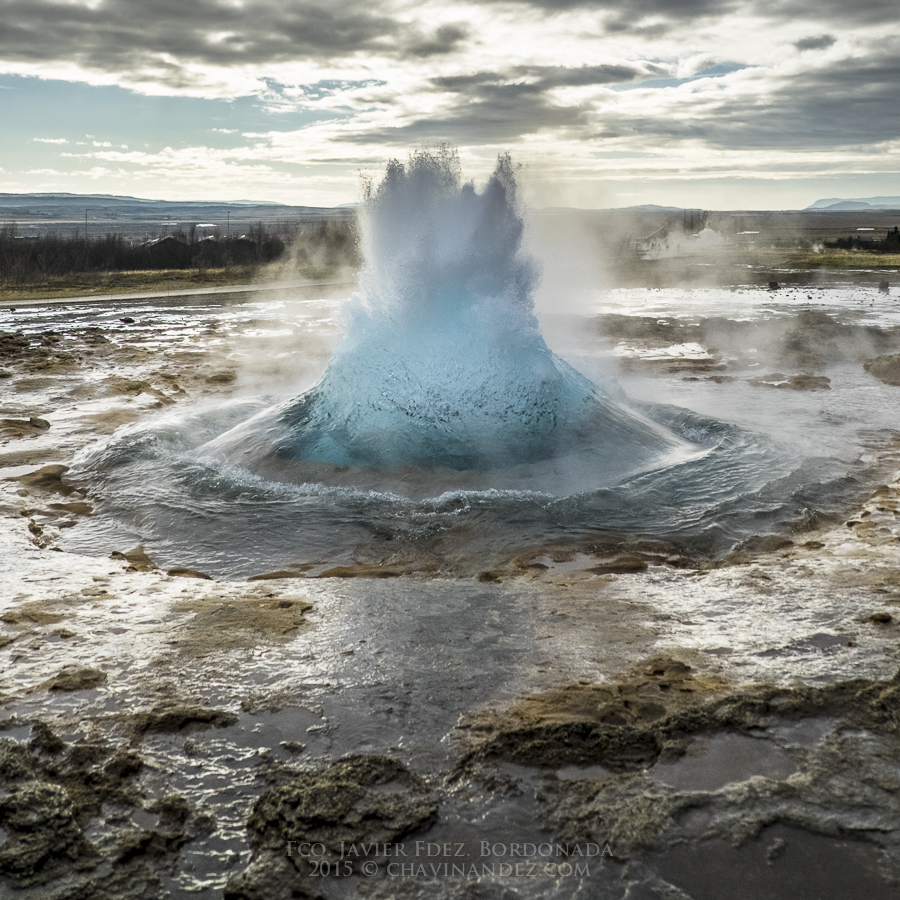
(341, 803)
(73, 678)
(177, 718)
(29, 383)
(47, 478)
(297, 571)
(220, 624)
(76, 507)
(180, 572)
(362, 570)
(18, 428)
(651, 712)
(358, 799)
(621, 565)
(33, 613)
(603, 554)
(488, 577)
(226, 376)
(51, 789)
(617, 725)
(137, 559)
(30, 457)
(107, 421)
(885, 368)
(133, 387)
(756, 547)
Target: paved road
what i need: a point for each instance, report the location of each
(182, 292)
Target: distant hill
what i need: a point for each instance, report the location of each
(857, 203)
(645, 207)
(850, 204)
(652, 207)
(70, 207)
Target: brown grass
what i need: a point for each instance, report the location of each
(87, 284)
(844, 259)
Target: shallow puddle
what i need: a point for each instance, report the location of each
(783, 863)
(723, 759)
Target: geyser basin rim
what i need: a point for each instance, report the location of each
(522, 450)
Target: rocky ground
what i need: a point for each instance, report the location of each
(600, 718)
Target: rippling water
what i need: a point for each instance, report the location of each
(445, 428)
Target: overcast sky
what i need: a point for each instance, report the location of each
(720, 104)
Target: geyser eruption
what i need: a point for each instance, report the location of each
(443, 432)
(443, 363)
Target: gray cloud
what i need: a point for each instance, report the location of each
(445, 40)
(632, 16)
(642, 9)
(542, 78)
(853, 102)
(491, 114)
(821, 42)
(499, 107)
(131, 35)
(871, 12)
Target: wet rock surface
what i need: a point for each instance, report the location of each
(73, 679)
(668, 769)
(225, 624)
(885, 368)
(678, 780)
(52, 791)
(808, 339)
(166, 735)
(359, 800)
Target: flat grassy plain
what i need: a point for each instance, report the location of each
(89, 284)
(844, 259)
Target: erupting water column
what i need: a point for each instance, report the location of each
(443, 363)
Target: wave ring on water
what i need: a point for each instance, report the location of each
(443, 423)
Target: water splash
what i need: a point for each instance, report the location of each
(443, 363)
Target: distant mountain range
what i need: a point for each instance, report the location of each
(836, 203)
(653, 207)
(47, 209)
(71, 207)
